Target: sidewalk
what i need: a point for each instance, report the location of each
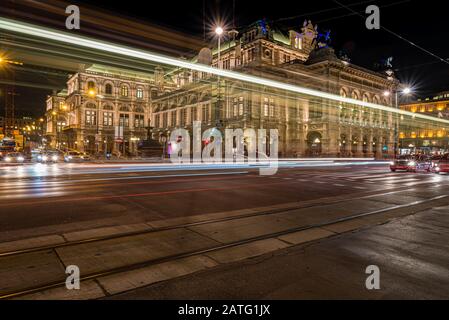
(411, 253)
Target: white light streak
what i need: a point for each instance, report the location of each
(45, 33)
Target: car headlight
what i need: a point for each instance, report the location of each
(39, 157)
(392, 163)
(21, 159)
(8, 159)
(54, 158)
(44, 158)
(412, 163)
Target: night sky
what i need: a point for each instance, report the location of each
(422, 22)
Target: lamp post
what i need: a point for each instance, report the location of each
(219, 32)
(405, 91)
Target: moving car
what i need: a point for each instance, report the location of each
(402, 163)
(48, 157)
(443, 164)
(75, 156)
(420, 162)
(14, 157)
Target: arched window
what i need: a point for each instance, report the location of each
(139, 93)
(108, 88)
(91, 106)
(124, 91)
(139, 110)
(124, 109)
(91, 85)
(108, 107)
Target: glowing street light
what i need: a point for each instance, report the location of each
(407, 90)
(219, 31)
(387, 93)
(91, 93)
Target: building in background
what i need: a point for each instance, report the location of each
(23, 130)
(427, 140)
(307, 126)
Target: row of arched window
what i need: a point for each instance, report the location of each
(125, 90)
(137, 109)
(363, 97)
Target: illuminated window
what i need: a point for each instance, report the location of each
(139, 121)
(266, 107)
(91, 117)
(124, 120)
(108, 119)
(124, 91)
(298, 43)
(139, 93)
(205, 115)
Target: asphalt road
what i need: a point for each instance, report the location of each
(38, 200)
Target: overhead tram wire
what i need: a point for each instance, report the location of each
(323, 11)
(397, 35)
(360, 13)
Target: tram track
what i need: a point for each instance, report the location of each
(135, 266)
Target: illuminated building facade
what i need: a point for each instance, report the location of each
(105, 110)
(427, 139)
(307, 126)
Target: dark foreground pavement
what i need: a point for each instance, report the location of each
(412, 253)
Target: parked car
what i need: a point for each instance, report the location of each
(14, 157)
(75, 156)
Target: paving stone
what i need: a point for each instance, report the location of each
(31, 243)
(246, 251)
(107, 231)
(244, 228)
(114, 253)
(88, 290)
(29, 270)
(125, 281)
(306, 235)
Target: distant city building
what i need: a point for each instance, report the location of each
(427, 139)
(22, 125)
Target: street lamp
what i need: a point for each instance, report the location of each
(405, 91)
(219, 32)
